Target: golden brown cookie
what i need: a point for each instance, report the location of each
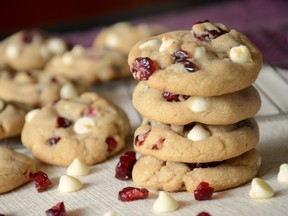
(170, 108)
(196, 142)
(88, 127)
(15, 168)
(207, 60)
(157, 174)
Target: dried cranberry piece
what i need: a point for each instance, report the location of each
(203, 214)
(204, 165)
(57, 210)
(245, 123)
(62, 122)
(123, 170)
(143, 68)
(41, 180)
(159, 144)
(139, 139)
(112, 143)
(203, 191)
(132, 193)
(89, 112)
(209, 35)
(54, 140)
(180, 56)
(170, 97)
(28, 36)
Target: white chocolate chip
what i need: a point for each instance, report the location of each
(199, 104)
(67, 58)
(199, 52)
(68, 91)
(150, 43)
(2, 105)
(165, 203)
(77, 168)
(198, 133)
(240, 54)
(77, 50)
(167, 42)
(111, 213)
(56, 46)
(12, 51)
(283, 173)
(68, 184)
(30, 115)
(260, 189)
(84, 125)
(112, 40)
(23, 78)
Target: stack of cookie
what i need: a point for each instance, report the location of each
(196, 96)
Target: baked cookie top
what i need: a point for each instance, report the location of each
(88, 127)
(15, 168)
(157, 174)
(123, 36)
(207, 60)
(170, 108)
(90, 65)
(196, 142)
(30, 49)
(12, 119)
(36, 88)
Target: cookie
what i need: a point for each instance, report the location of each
(88, 127)
(14, 169)
(157, 174)
(31, 49)
(208, 60)
(123, 35)
(90, 65)
(196, 142)
(36, 88)
(12, 119)
(169, 108)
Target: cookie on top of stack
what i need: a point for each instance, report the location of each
(196, 96)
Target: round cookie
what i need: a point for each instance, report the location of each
(12, 119)
(209, 60)
(182, 109)
(36, 88)
(123, 35)
(31, 49)
(15, 168)
(90, 65)
(156, 174)
(88, 127)
(196, 142)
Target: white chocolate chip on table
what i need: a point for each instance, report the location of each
(283, 173)
(260, 189)
(78, 168)
(165, 203)
(68, 184)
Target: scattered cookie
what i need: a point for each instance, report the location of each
(260, 189)
(207, 60)
(56, 140)
(157, 174)
(207, 143)
(15, 168)
(36, 88)
(12, 119)
(169, 108)
(123, 35)
(31, 49)
(90, 65)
